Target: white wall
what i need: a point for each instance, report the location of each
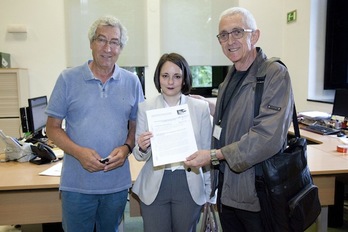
(197, 42)
(299, 44)
(303, 52)
(270, 24)
(43, 48)
(81, 14)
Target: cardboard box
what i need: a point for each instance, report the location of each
(5, 60)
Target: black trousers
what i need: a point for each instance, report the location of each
(237, 220)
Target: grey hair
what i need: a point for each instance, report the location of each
(108, 21)
(248, 18)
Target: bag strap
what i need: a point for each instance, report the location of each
(260, 80)
(209, 220)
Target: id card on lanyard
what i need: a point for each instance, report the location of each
(217, 131)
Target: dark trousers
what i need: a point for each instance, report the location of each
(173, 209)
(237, 220)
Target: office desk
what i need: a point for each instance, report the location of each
(26, 197)
(325, 164)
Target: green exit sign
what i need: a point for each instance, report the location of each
(292, 16)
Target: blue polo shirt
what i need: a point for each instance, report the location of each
(96, 116)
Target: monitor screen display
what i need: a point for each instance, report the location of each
(36, 113)
(201, 76)
(340, 103)
(336, 47)
(205, 79)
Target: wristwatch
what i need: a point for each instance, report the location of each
(214, 160)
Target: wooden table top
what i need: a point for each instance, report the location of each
(20, 176)
(323, 159)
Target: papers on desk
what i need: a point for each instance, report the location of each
(173, 137)
(53, 171)
(344, 140)
(315, 115)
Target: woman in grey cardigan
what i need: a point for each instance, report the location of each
(172, 195)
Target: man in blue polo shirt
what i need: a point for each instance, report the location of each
(98, 101)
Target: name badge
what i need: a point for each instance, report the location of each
(217, 132)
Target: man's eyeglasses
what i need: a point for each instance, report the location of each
(236, 34)
(114, 43)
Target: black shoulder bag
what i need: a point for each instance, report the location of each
(289, 199)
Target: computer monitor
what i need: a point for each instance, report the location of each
(36, 114)
(340, 107)
(206, 78)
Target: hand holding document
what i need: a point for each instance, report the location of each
(173, 137)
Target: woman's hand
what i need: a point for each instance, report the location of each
(144, 141)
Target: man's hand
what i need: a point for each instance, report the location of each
(212, 104)
(89, 159)
(116, 158)
(198, 159)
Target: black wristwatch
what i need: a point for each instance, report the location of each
(129, 147)
(214, 160)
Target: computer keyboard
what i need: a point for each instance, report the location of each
(320, 129)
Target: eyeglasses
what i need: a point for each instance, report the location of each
(114, 43)
(236, 34)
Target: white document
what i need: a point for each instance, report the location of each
(173, 137)
(315, 115)
(53, 171)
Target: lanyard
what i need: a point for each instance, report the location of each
(227, 96)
